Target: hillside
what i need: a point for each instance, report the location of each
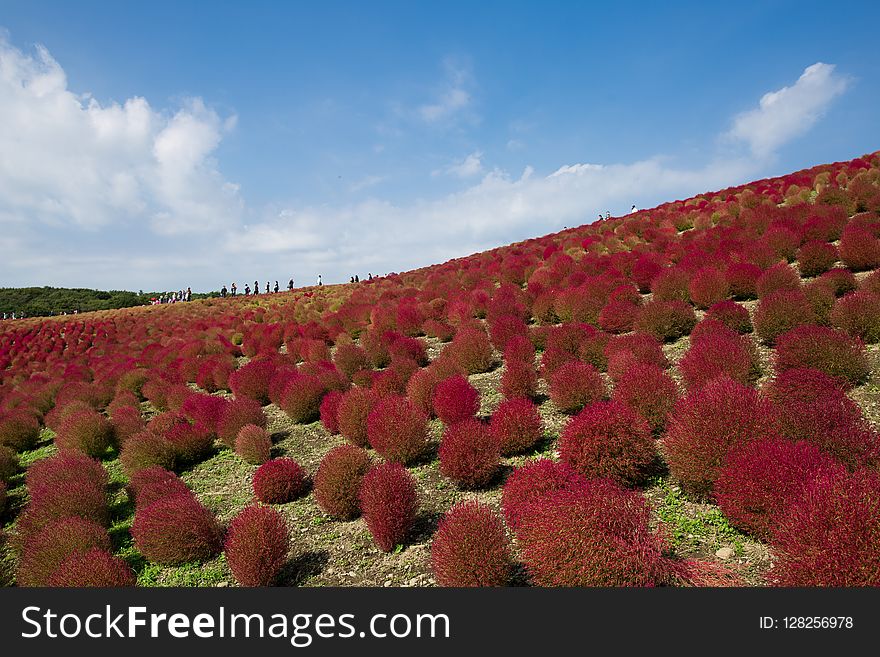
(684, 396)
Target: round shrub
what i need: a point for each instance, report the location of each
(329, 410)
(859, 249)
(761, 478)
(338, 481)
(147, 477)
(58, 495)
(743, 280)
(618, 316)
(708, 286)
(504, 328)
(149, 492)
(471, 350)
(235, 415)
(279, 481)
(814, 548)
(389, 503)
(858, 314)
(666, 320)
(354, 408)
(175, 530)
(64, 468)
(19, 430)
(707, 423)
(521, 348)
(47, 549)
(717, 354)
(251, 381)
(824, 349)
(574, 385)
(516, 425)
(814, 407)
(519, 379)
(455, 400)
(8, 463)
(781, 312)
(594, 535)
(93, 568)
(782, 241)
(777, 278)
(253, 444)
(608, 439)
(398, 430)
(471, 548)
(147, 449)
(671, 285)
(815, 258)
(731, 314)
(649, 391)
(301, 399)
(840, 281)
(554, 358)
(126, 422)
(350, 358)
(256, 545)
(469, 454)
(870, 283)
(623, 350)
(420, 389)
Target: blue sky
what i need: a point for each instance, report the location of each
(164, 144)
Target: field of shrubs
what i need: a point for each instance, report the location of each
(685, 396)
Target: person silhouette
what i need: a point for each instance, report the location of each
(319, 280)
(276, 286)
(234, 289)
(256, 287)
(247, 290)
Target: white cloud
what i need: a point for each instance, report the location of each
(452, 98)
(366, 182)
(789, 112)
(66, 159)
(468, 167)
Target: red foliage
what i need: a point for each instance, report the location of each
(858, 314)
(389, 503)
(87, 431)
(204, 409)
(815, 258)
(824, 349)
(618, 316)
(519, 380)
(707, 423)
(280, 481)
(708, 286)
(743, 280)
(126, 422)
(338, 481)
(471, 548)
(252, 380)
(191, 443)
(522, 349)
(253, 444)
(176, 529)
(235, 415)
(595, 535)
(94, 568)
(731, 314)
(8, 463)
(622, 350)
(46, 550)
(455, 400)
(666, 320)
(398, 430)
(516, 425)
(256, 545)
(859, 249)
(350, 358)
(352, 415)
(574, 385)
(420, 389)
(814, 548)
(506, 327)
(469, 453)
(671, 285)
(19, 430)
(329, 410)
(301, 399)
(718, 354)
(781, 312)
(147, 449)
(471, 350)
(761, 478)
(647, 390)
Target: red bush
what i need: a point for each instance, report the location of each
(858, 314)
(256, 545)
(782, 241)
(398, 430)
(731, 314)
(46, 550)
(870, 283)
(647, 390)
(440, 330)
(516, 425)
(147, 449)
(708, 286)
(19, 430)
(779, 277)
(126, 422)
(471, 548)
(671, 285)
(666, 320)
(519, 380)
(521, 348)
(707, 423)
(420, 389)
(279, 481)
(352, 415)
(469, 453)
(814, 407)
(643, 348)
(824, 349)
(235, 415)
(717, 354)
(455, 399)
(595, 535)
(252, 380)
(150, 491)
(618, 316)
(471, 350)
(389, 503)
(350, 358)
(761, 478)
(574, 385)
(192, 443)
(506, 327)
(814, 548)
(8, 463)
(175, 530)
(859, 249)
(781, 312)
(552, 359)
(94, 568)
(301, 399)
(253, 444)
(743, 280)
(338, 481)
(815, 258)
(329, 410)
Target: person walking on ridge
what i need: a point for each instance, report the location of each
(247, 289)
(290, 285)
(256, 288)
(223, 291)
(276, 287)
(234, 288)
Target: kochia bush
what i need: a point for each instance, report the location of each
(236, 414)
(253, 444)
(398, 430)
(666, 320)
(815, 258)
(176, 529)
(389, 503)
(471, 548)
(280, 481)
(647, 390)
(47, 549)
(782, 311)
(93, 568)
(731, 314)
(18, 430)
(716, 354)
(469, 453)
(516, 425)
(708, 286)
(859, 315)
(824, 349)
(455, 400)
(338, 481)
(86, 431)
(574, 385)
(256, 545)
(519, 379)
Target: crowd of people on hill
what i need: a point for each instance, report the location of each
(172, 297)
(232, 290)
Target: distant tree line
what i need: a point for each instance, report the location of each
(46, 301)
